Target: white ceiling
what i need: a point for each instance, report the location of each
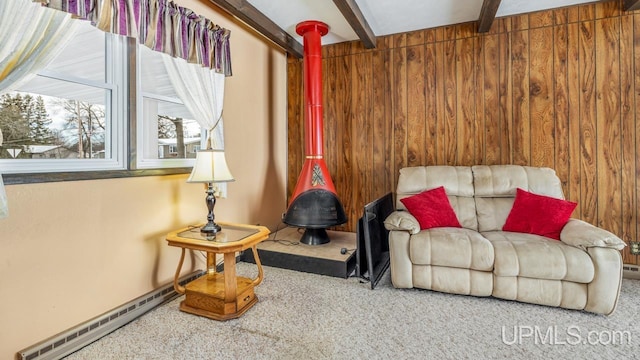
(387, 17)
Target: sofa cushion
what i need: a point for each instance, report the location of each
(492, 212)
(503, 180)
(452, 247)
(538, 214)
(566, 294)
(432, 209)
(495, 189)
(453, 280)
(538, 257)
(457, 182)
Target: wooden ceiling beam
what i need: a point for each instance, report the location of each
(630, 5)
(487, 15)
(246, 12)
(354, 17)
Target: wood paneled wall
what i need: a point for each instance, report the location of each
(558, 88)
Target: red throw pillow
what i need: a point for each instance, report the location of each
(432, 209)
(538, 214)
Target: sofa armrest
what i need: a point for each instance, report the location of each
(603, 291)
(584, 235)
(402, 220)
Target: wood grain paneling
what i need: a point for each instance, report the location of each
(629, 206)
(431, 105)
(636, 77)
(561, 105)
(541, 110)
(558, 88)
(450, 103)
(521, 135)
(295, 129)
(441, 115)
(573, 79)
(465, 112)
(416, 107)
(505, 111)
(361, 128)
(399, 107)
(587, 119)
(608, 137)
(478, 117)
(491, 81)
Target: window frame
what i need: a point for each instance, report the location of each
(127, 110)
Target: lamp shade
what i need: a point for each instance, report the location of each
(211, 166)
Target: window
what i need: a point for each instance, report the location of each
(166, 130)
(70, 116)
(74, 116)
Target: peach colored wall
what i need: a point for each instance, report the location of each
(70, 251)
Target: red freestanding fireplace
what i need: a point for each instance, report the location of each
(314, 204)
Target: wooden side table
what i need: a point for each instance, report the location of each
(219, 296)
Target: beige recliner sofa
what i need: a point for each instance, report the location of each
(582, 271)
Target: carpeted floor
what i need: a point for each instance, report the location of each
(308, 316)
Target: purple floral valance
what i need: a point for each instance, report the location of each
(160, 25)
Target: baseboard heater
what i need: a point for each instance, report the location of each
(85, 333)
(631, 271)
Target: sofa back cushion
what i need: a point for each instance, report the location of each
(457, 182)
(495, 190)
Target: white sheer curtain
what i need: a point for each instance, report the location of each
(202, 92)
(30, 37)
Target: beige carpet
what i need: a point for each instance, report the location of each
(307, 316)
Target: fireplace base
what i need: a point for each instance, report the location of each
(315, 237)
(284, 251)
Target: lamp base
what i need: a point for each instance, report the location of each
(211, 228)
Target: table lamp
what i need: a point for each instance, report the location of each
(210, 167)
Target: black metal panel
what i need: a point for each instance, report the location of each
(372, 253)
